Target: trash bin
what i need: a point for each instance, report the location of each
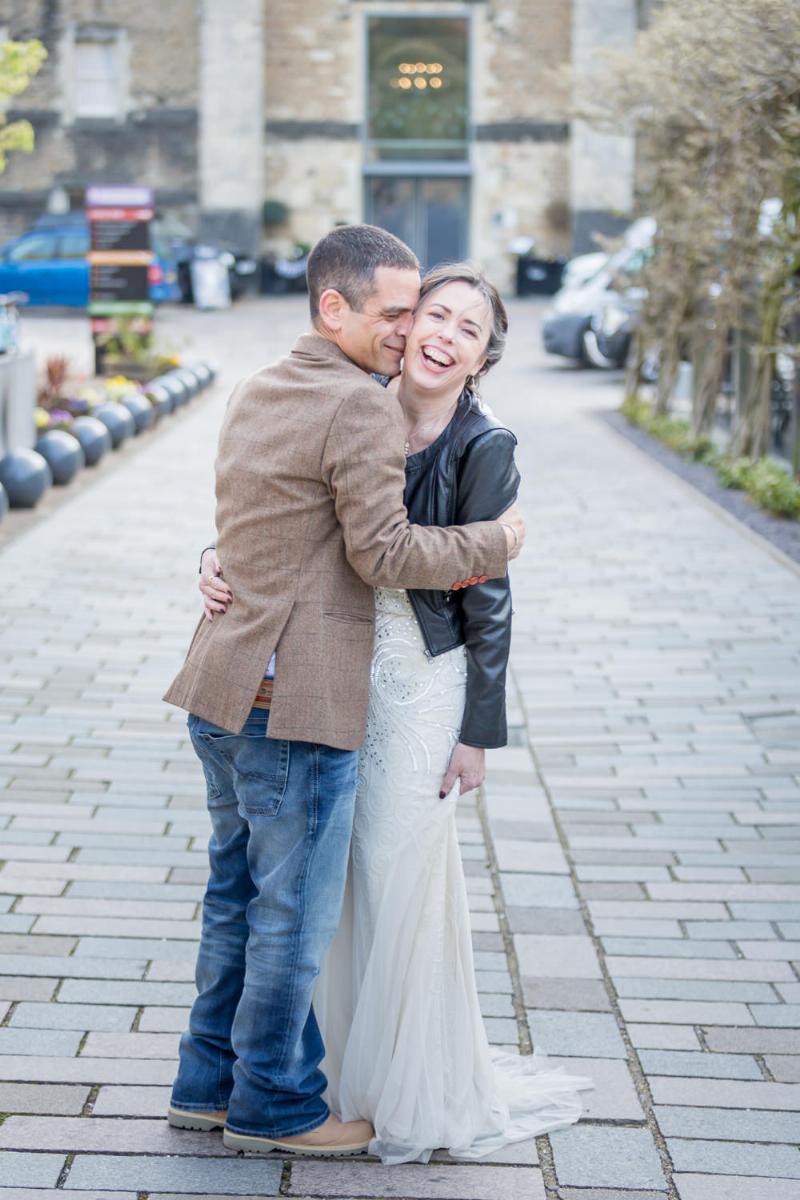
(282, 275)
(539, 276)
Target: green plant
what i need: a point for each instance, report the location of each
(673, 433)
(734, 472)
(636, 411)
(130, 338)
(773, 489)
(274, 212)
(705, 451)
(19, 62)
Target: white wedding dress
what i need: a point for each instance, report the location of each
(396, 1000)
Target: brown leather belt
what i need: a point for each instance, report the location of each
(264, 694)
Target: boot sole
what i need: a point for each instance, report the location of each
(183, 1119)
(260, 1145)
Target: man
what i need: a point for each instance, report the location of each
(310, 517)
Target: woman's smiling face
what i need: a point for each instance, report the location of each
(448, 340)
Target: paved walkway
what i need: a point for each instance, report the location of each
(633, 868)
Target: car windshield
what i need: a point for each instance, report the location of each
(39, 246)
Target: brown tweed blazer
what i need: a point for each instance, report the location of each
(310, 475)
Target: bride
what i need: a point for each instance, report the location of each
(397, 1001)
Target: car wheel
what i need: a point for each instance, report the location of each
(590, 351)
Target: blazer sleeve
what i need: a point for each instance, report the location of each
(364, 468)
(488, 483)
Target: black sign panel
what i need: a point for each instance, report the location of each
(118, 282)
(128, 234)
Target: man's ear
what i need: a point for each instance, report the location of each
(332, 309)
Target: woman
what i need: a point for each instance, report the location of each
(397, 1000)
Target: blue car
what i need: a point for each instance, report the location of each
(48, 264)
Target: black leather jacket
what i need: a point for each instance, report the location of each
(468, 474)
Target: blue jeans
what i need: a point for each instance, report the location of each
(281, 816)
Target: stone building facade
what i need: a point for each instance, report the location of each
(446, 120)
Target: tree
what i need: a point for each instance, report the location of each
(713, 96)
(19, 62)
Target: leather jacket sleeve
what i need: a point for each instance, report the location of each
(488, 483)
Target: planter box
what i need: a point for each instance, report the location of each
(140, 369)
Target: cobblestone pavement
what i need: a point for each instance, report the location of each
(633, 866)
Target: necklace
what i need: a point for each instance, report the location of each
(420, 430)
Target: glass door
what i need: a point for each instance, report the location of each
(429, 214)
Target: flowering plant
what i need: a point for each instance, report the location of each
(119, 386)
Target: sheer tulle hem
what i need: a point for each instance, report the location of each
(530, 1099)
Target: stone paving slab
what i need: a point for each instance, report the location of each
(567, 1193)
(729, 1125)
(727, 1187)
(229, 1176)
(728, 1158)
(7, 1193)
(416, 1183)
(107, 1135)
(591, 1156)
(30, 1170)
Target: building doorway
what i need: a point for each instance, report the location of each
(430, 214)
(417, 132)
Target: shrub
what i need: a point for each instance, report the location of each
(734, 472)
(675, 434)
(636, 411)
(773, 489)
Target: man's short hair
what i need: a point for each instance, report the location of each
(347, 258)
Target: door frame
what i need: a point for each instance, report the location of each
(420, 168)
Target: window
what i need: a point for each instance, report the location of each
(98, 78)
(74, 245)
(418, 88)
(33, 249)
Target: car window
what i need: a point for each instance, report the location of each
(74, 245)
(39, 246)
(159, 246)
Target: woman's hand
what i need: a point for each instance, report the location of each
(215, 591)
(467, 763)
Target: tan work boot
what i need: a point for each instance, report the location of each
(183, 1118)
(332, 1139)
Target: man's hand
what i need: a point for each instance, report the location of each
(215, 591)
(468, 763)
(514, 528)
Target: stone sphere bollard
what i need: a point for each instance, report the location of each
(160, 397)
(188, 379)
(26, 477)
(175, 388)
(63, 454)
(180, 392)
(202, 372)
(117, 420)
(94, 438)
(140, 408)
(3, 501)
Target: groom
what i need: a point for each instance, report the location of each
(310, 518)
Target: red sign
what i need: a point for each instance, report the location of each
(119, 214)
